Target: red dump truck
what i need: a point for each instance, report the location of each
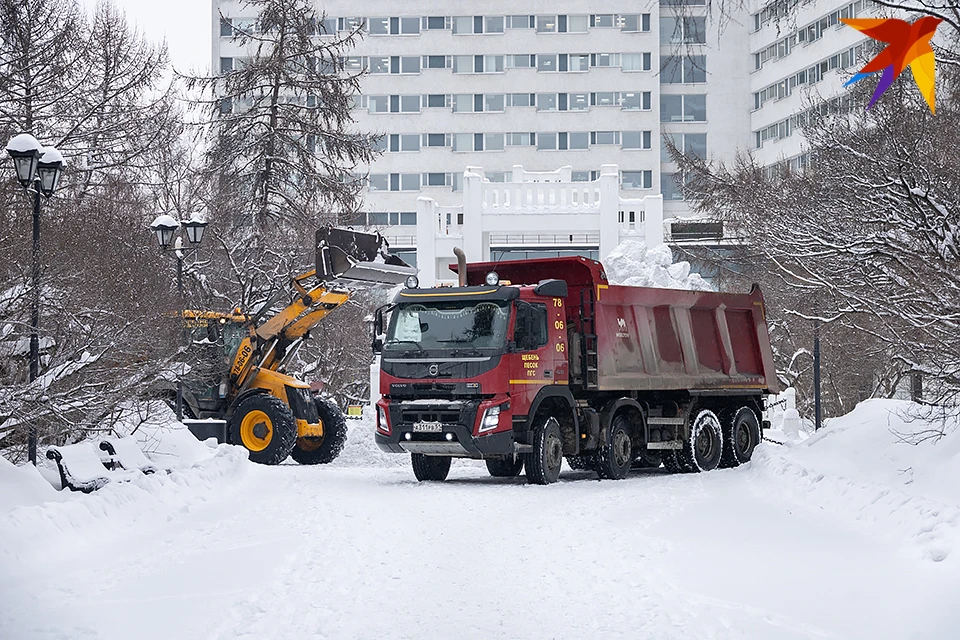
(527, 363)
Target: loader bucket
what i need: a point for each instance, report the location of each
(356, 257)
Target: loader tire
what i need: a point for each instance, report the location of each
(702, 451)
(430, 468)
(616, 456)
(327, 447)
(544, 462)
(264, 425)
(505, 467)
(741, 435)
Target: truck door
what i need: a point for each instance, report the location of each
(532, 365)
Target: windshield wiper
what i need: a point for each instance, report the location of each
(472, 351)
(413, 342)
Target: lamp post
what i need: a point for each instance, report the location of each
(38, 170)
(165, 228)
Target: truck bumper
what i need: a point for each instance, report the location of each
(461, 443)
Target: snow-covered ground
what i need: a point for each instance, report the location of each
(846, 535)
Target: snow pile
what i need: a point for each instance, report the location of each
(23, 486)
(107, 512)
(861, 467)
(361, 449)
(634, 265)
(160, 435)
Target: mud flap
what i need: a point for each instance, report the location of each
(346, 256)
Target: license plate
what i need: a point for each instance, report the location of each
(428, 427)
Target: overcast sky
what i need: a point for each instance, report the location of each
(185, 24)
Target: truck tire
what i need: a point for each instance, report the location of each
(264, 425)
(703, 450)
(430, 468)
(616, 456)
(505, 467)
(327, 447)
(741, 435)
(544, 462)
(583, 461)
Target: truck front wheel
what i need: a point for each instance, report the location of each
(544, 462)
(505, 467)
(430, 468)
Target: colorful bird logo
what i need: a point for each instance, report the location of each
(907, 44)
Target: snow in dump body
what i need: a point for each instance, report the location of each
(632, 264)
(818, 540)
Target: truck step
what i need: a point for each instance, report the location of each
(666, 445)
(663, 421)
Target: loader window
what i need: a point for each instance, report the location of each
(531, 330)
(439, 325)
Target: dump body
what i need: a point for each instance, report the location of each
(653, 339)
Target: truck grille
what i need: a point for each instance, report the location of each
(446, 416)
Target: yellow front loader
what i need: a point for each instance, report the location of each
(268, 411)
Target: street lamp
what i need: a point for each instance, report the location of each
(165, 228)
(38, 170)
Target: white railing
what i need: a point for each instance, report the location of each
(535, 197)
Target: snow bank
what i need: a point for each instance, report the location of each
(23, 486)
(860, 469)
(633, 265)
(108, 512)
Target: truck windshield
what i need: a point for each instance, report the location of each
(440, 325)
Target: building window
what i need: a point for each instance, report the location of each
(463, 103)
(605, 137)
(435, 23)
(546, 102)
(636, 62)
(436, 180)
(226, 65)
(437, 100)
(578, 101)
(546, 141)
(604, 59)
(636, 139)
(463, 24)
(604, 99)
(436, 140)
(521, 139)
(605, 20)
(493, 24)
(493, 102)
(693, 145)
(226, 28)
(633, 23)
(494, 142)
(521, 100)
(379, 182)
(405, 142)
(683, 29)
(523, 61)
(683, 108)
(546, 62)
(546, 24)
(520, 22)
(636, 179)
(462, 142)
(683, 70)
(670, 186)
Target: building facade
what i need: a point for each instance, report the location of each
(569, 84)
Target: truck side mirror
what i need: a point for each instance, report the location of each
(377, 346)
(378, 322)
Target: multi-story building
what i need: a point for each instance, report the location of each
(568, 84)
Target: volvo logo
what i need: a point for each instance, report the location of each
(433, 369)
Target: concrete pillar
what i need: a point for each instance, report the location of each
(653, 215)
(791, 417)
(609, 208)
(517, 175)
(472, 212)
(566, 173)
(428, 227)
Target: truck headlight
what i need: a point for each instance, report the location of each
(383, 424)
(491, 419)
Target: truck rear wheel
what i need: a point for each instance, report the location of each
(615, 458)
(505, 467)
(544, 462)
(328, 446)
(264, 425)
(430, 468)
(741, 435)
(703, 450)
